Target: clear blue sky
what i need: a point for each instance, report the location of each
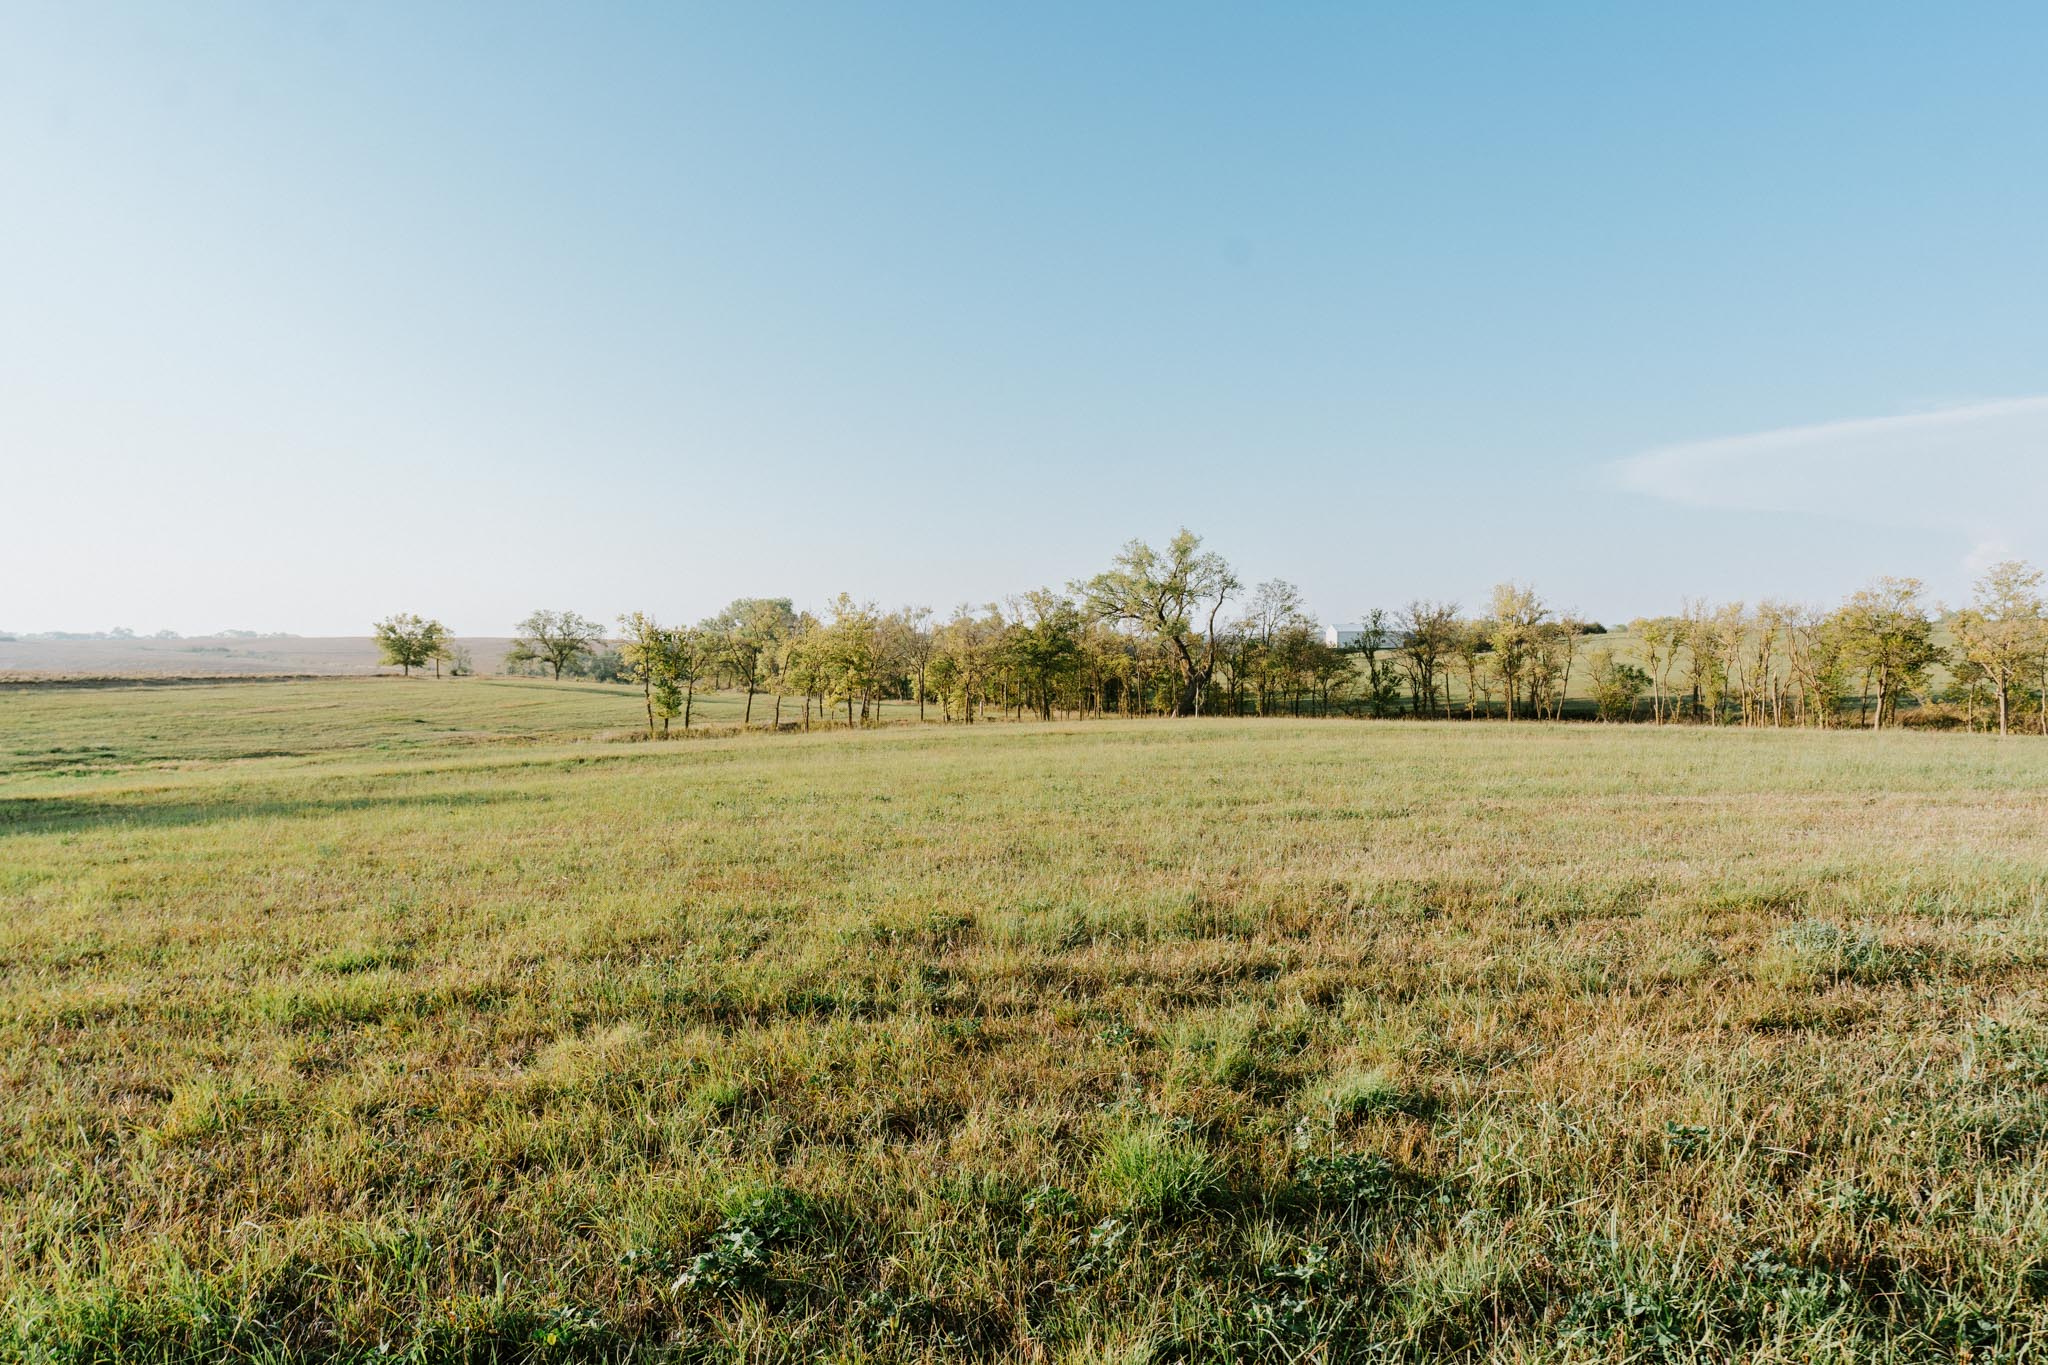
(313, 313)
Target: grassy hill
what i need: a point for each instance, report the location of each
(347, 1017)
(214, 656)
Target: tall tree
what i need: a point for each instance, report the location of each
(1699, 633)
(1172, 596)
(1377, 638)
(1886, 631)
(1657, 640)
(655, 657)
(1274, 610)
(919, 644)
(2004, 630)
(1769, 641)
(1043, 647)
(804, 666)
(555, 638)
(1429, 633)
(964, 660)
(1517, 612)
(410, 641)
(1470, 645)
(1818, 668)
(693, 657)
(752, 630)
(852, 656)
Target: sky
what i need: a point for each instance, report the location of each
(313, 313)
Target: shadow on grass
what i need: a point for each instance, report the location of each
(63, 814)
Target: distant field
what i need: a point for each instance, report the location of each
(351, 1019)
(213, 656)
(77, 731)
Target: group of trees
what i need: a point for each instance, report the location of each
(411, 642)
(1156, 633)
(1780, 663)
(1428, 660)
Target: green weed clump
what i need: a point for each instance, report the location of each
(1155, 1169)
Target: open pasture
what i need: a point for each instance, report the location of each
(407, 1019)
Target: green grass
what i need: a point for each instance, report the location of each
(326, 1037)
(70, 731)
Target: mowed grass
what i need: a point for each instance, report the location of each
(71, 731)
(1281, 1040)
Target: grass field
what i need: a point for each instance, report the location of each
(216, 656)
(361, 1019)
(66, 731)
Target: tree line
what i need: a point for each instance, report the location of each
(1171, 631)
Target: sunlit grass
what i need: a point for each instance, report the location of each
(1106, 1041)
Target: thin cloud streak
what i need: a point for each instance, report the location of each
(1979, 472)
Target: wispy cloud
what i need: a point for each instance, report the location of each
(1978, 471)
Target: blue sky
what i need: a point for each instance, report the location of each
(315, 313)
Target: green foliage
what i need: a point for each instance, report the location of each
(1155, 1169)
(1347, 1177)
(1886, 632)
(410, 641)
(756, 1222)
(556, 639)
(1617, 687)
(1174, 597)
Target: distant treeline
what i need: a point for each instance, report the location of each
(1172, 632)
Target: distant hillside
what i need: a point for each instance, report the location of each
(217, 655)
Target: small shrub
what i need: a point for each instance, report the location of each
(1687, 1139)
(1106, 1245)
(1347, 1178)
(736, 1257)
(964, 1034)
(1048, 1201)
(757, 1221)
(2008, 1052)
(1862, 1205)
